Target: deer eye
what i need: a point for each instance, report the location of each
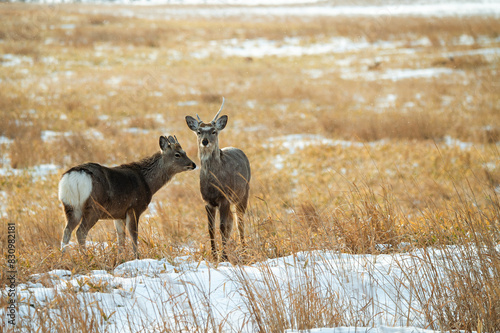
(199, 132)
(214, 132)
(177, 155)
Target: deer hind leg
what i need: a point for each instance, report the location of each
(89, 219)
(73, 218)
(226, 225)
(131, 220)
(120, 232)
(211, 228)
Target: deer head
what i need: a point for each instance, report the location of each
(175, 157)
(207, 133)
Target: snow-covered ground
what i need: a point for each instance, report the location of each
(330, 9)
(159, 295)
(301, 8)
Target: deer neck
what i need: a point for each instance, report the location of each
(153, 170)
(210, 159)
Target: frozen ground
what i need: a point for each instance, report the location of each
(156, 295)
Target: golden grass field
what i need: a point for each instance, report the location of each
(343, 156)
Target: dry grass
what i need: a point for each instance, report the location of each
(108, 86)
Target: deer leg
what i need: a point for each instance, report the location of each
(131, 221)
(89, 219)
(226, 225)
(120, 232)
(73, 218)
(211, 228)
(241, 208)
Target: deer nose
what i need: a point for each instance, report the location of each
(205, 142)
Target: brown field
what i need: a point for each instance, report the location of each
(345, 154)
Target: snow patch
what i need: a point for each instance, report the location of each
(378, 329)
(49, 136)
(400, 74)
(290, 47)
(5, 140)
(301, 8)
(187, 103)
(295, 142)
(146, 267)
(451, 142)
(39, 171)
(12, 60)
(4, 197)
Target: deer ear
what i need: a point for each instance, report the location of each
(221, 123)
(164, 144)
(192, 123)
(172, 140)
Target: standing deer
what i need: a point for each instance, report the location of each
(90, 192)
(224, 178)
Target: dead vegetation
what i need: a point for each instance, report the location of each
(405, 163)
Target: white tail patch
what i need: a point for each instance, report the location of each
(75, 188)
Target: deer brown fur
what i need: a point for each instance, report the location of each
(90, 192)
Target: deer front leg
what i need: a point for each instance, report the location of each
(211, 228)
(226, 225)
(240, 212)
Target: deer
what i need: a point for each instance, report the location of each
(224, 179)
(90, 192)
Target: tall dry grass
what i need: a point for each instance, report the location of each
(390, 177)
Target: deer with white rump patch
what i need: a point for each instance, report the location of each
(224, 178)
(90, 192)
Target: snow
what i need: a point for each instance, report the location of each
(400, 74)
(187, 103)
(5, 140)
(302, 8)
(38, 172)
(380, 329)
(332, 10)
(171, 294)
(294, 142)
(451, 142)
(4, 197)
(289, 47)
(188, 2)
(490, 54)
(12, 60)
(150, 294)
(48, 136)
(460, 9)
